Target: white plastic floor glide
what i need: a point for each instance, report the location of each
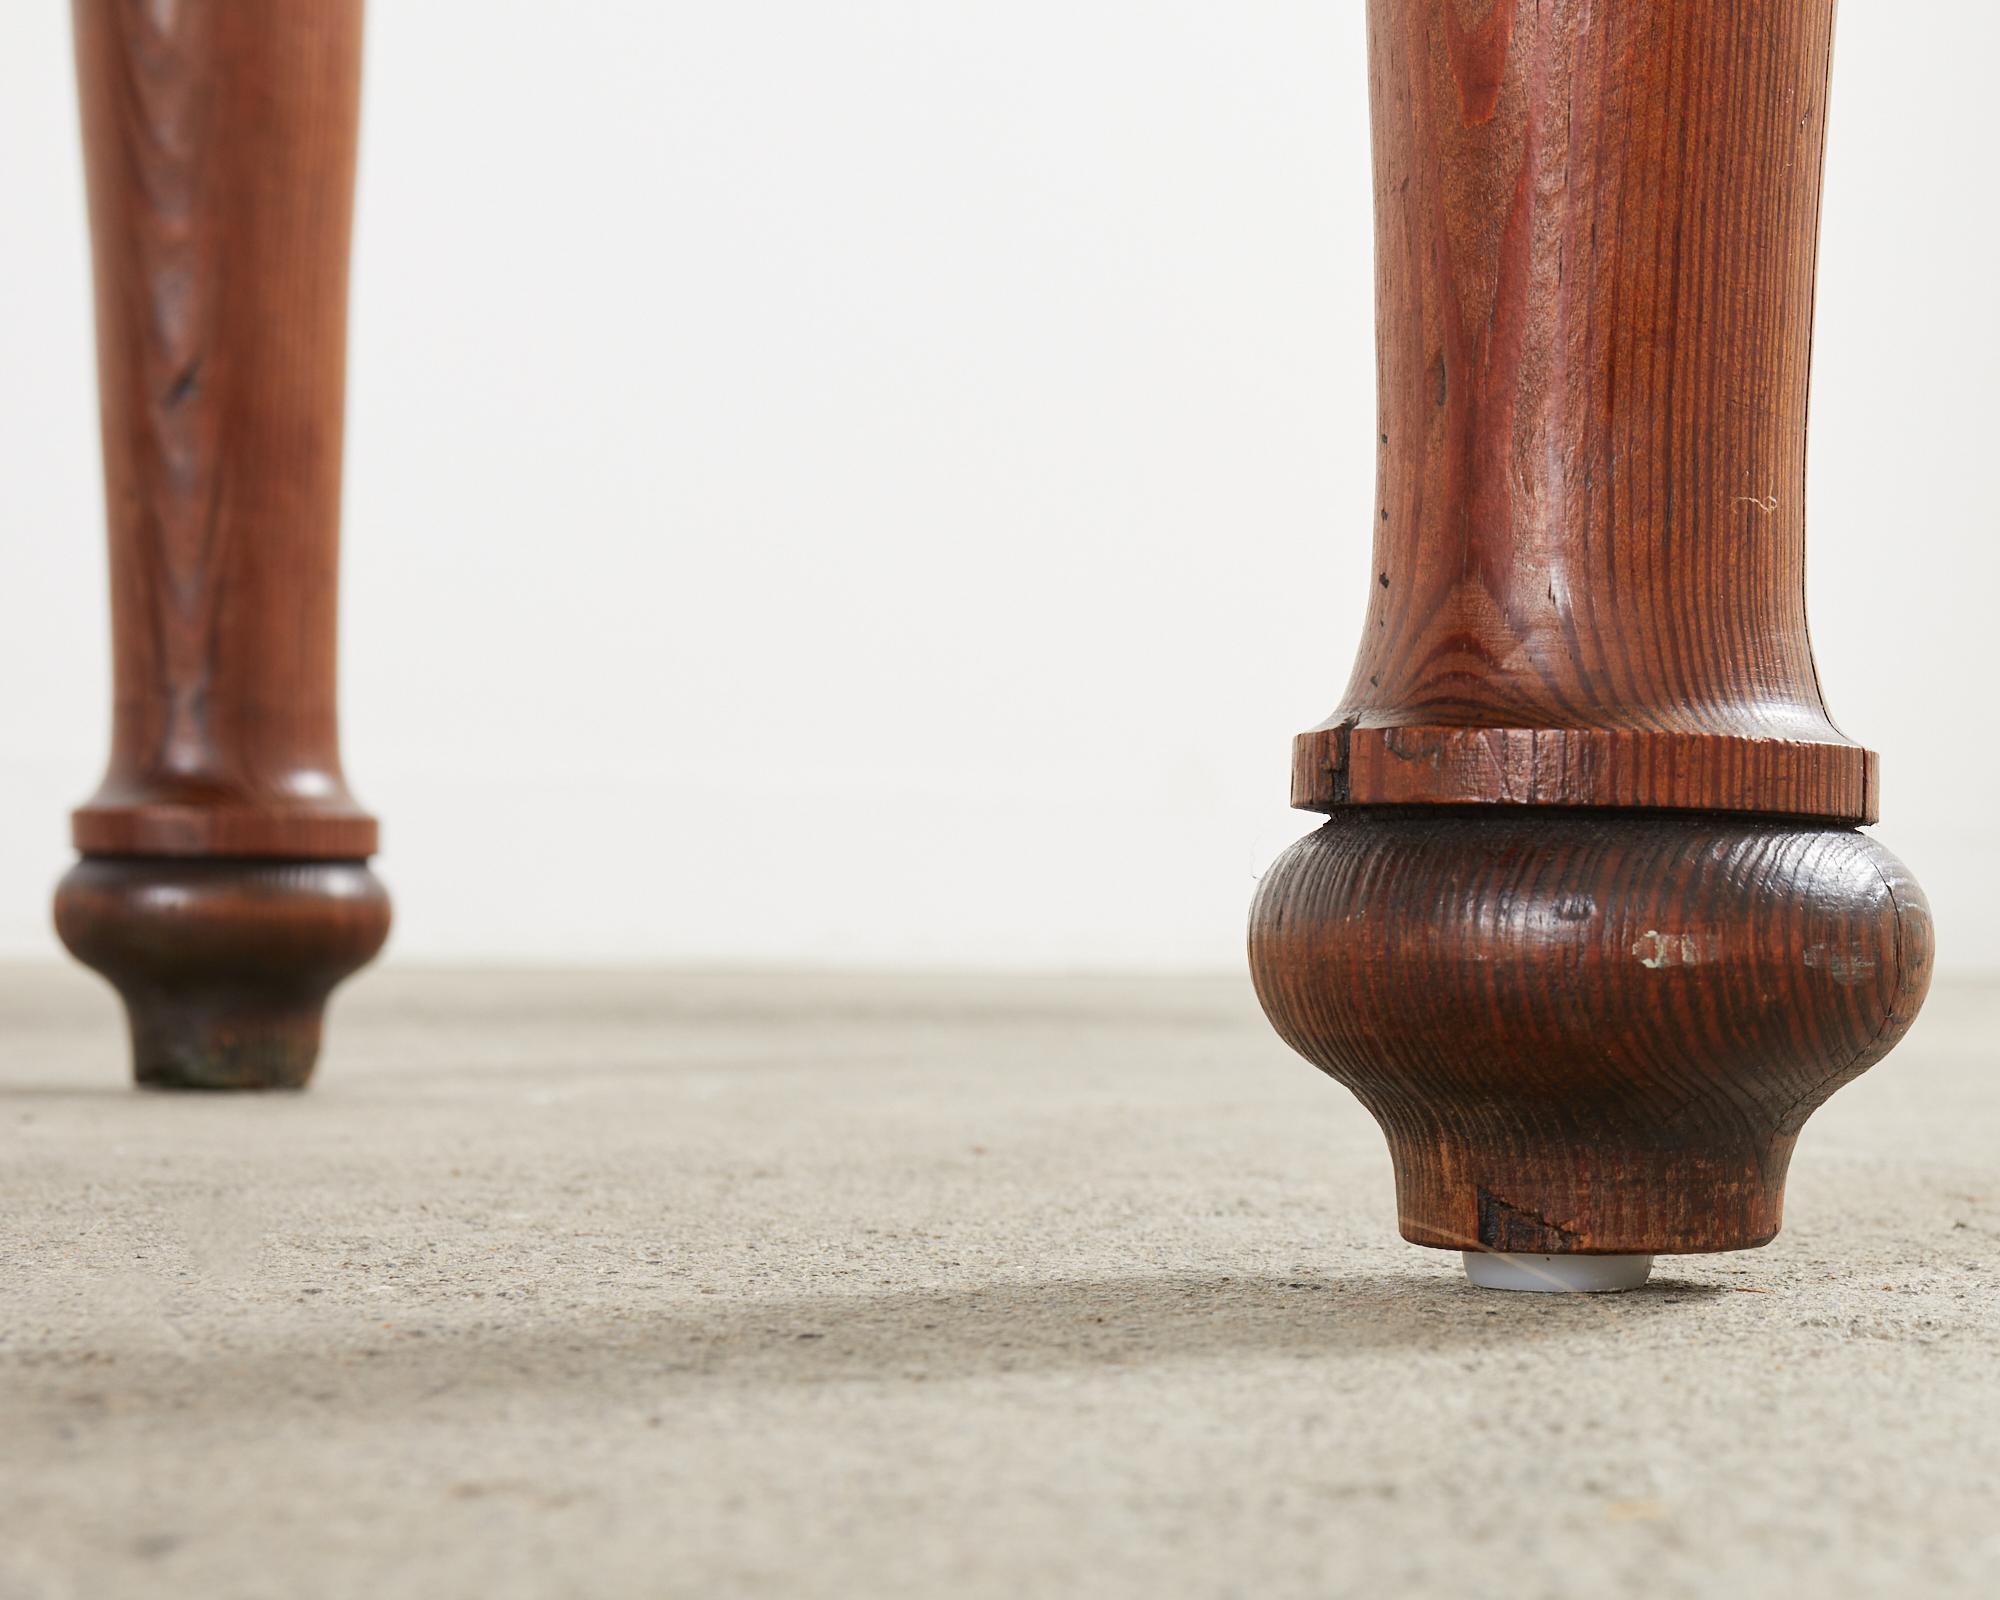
(1557, 1274)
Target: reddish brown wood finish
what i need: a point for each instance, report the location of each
(1590, 932)
(1595, 235)
(224, 964)
(1589, 1031)
(219, 144)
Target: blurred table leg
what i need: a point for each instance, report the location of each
(224, 886)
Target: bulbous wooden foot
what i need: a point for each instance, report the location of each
(224, 965)
(1589, 1032)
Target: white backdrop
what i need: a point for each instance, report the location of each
(883, 481)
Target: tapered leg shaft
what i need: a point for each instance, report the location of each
(1591, 928)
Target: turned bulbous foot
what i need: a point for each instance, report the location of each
(1589, 1032)
(224, 966)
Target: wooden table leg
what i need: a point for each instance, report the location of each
(224, 887)
(1590, 929)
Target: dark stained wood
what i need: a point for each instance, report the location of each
(1595, 235)
(1589, 1031)
(219, 145)
(224, 965)
(1590, 932)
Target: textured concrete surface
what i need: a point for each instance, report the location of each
(636, 1285)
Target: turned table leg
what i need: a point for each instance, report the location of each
(1590, 929)
(224, 887)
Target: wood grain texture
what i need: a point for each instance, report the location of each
(1595, 238)
(222, 891)
(1589, 1031)
(1584, 935)
(219, 144)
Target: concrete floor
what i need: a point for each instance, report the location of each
(644, 1285)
